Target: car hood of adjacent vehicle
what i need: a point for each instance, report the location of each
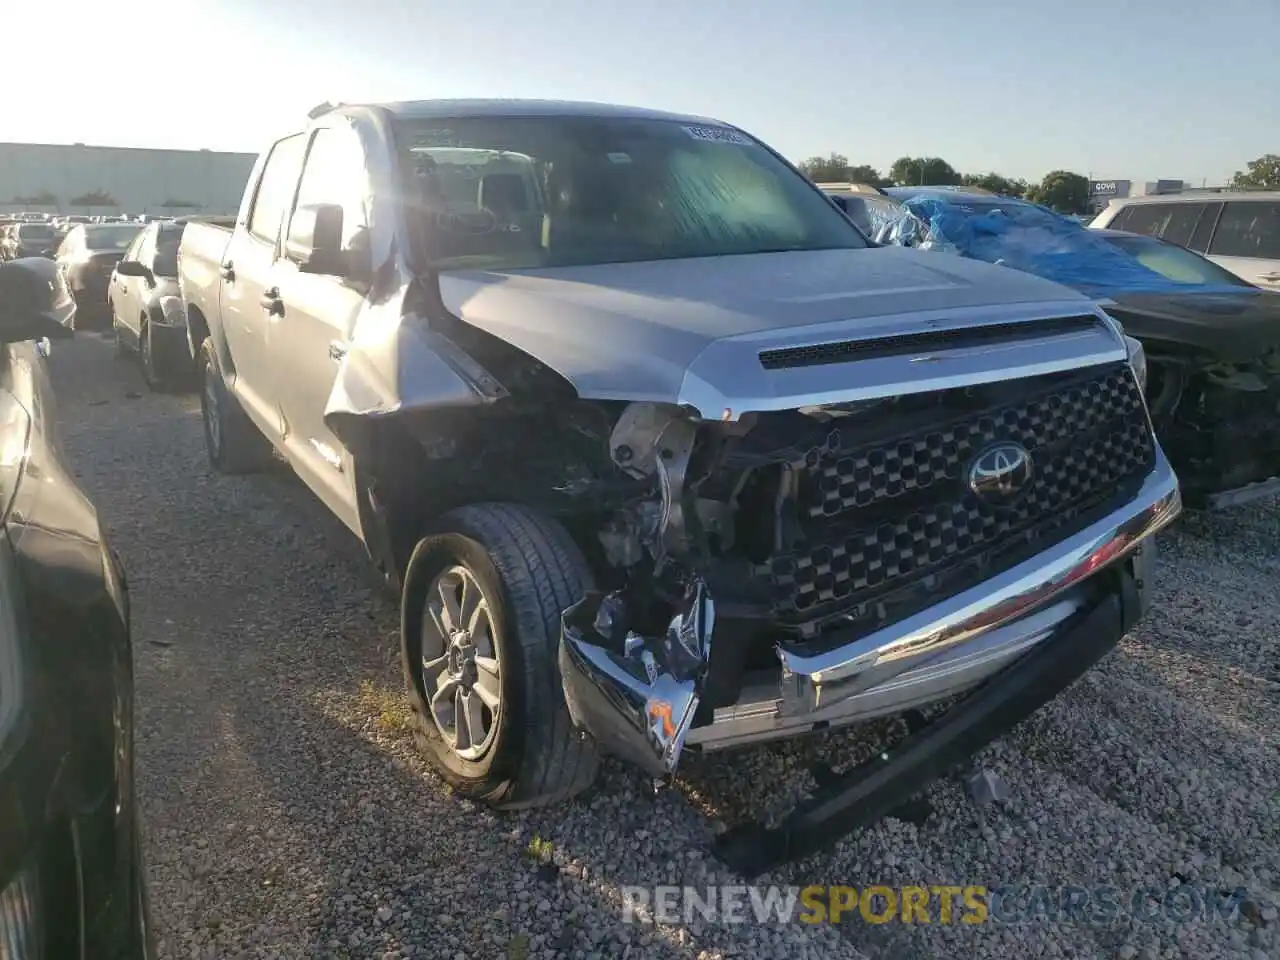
(632, 330)
(1234, 327)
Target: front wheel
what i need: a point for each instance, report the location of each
(233, 442)
(122, 351)
(480, 629)
(147, 359)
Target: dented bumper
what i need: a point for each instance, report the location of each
(636, 695)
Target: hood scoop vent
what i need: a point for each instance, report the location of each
(845, 351)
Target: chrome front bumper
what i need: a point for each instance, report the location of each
(639, 701)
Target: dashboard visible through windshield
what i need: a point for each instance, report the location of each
(506, 193)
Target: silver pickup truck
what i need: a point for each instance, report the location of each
(662, 453)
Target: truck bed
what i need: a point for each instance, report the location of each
(200, 255)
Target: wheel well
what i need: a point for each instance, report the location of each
(394, 503)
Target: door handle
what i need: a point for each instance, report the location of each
(337, 350)
(1269, 277)
(272, 303)
(227, 271)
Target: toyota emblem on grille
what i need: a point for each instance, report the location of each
(1000, 473)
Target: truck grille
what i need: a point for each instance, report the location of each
(890, 526)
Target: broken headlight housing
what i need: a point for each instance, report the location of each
(1137, 360)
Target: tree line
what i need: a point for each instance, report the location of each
(94, 198)
(1063, 190)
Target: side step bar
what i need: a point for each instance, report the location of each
(843, 803)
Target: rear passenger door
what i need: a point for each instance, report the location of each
(246, 278)
(1247, 241)
(309, 338)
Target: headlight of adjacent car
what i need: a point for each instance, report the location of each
(1137, 360)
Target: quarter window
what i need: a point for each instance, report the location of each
(1145, 218)
(1248, 229)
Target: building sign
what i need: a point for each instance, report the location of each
(1106, 189)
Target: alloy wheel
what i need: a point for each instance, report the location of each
(460, 670)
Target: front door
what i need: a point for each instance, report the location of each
(309, 336)
(124, 296)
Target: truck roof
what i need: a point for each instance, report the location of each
(429, 109)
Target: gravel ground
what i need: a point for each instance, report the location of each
(288, 814)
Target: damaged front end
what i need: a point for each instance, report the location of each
(634, 661)
(637, 695)
(857, 566)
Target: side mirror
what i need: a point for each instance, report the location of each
(35, 303)
(314, 242)
(132, 268)
(839, 201)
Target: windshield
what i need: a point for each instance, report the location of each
(35, 231)
(503, 193)
(110, 237)
(1176, 263)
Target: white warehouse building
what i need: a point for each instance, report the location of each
(75, 178)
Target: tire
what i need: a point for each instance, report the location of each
(121, 350)
(234, 444)
(155, 379)
(528, 570)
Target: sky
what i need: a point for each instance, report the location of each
(1115, 89)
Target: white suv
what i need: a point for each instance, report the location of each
(1239, 231)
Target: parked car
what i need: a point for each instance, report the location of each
(72, 882)
(29, 240)
(146, 305)
(641, 427)
(1238, 231)
(1212, 341)
(87, 257)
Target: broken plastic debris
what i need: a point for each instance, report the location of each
(985, 787)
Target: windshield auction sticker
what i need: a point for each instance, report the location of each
(717, 135)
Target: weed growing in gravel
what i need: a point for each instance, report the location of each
(539, 849)
(390, 708)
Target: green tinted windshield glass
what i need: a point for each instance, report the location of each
(559, 191)
(1176, 263)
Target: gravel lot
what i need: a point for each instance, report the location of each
(288, 814)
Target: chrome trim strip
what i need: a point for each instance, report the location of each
(814, 681)
(758, 716)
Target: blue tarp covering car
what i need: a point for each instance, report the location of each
(1024, 236)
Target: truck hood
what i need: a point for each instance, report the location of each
(664, 330)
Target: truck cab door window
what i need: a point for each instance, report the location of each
(334, 173)
(275, 188)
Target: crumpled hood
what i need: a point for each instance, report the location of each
(632, 330)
